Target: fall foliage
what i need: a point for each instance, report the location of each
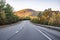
(48, 17)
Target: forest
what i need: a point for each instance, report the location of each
(7, 14)
(48, 17)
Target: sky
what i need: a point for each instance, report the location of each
(38, 5)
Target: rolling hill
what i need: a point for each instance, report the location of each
(26, 13)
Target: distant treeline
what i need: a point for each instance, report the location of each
(6, 14)
(48, 17)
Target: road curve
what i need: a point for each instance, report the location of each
(28, 31)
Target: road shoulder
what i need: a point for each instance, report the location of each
(47, 26)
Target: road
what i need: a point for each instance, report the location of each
(26, 30)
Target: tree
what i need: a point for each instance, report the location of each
(2, 12)
(39, 15)
(47, 14)
(6, 13)
(2, 4)
(9, 13)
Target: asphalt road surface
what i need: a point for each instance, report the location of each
(25, 30)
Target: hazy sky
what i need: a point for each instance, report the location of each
(34, 4)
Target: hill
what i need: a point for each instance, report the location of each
(26, 13)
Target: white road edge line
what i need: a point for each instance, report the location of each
(43, 34)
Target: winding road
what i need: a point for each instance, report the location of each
(26, 30)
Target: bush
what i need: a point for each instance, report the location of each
(35, 20)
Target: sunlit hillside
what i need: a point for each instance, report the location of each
(26, 13)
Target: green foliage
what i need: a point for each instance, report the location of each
(40, 14)
(6, 14)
